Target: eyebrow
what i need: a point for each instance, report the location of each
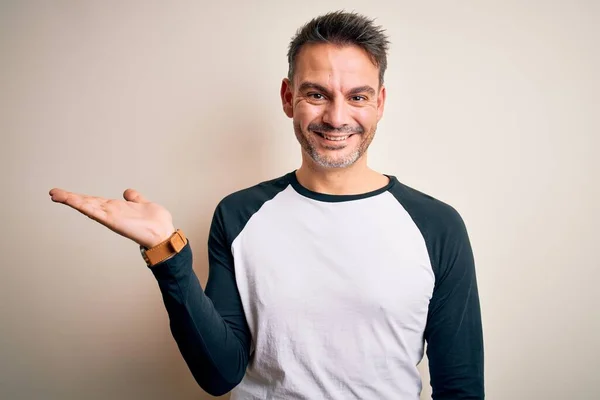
(360, 89)
(363, 89)
(311, 85)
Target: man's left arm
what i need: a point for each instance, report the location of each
(454, 331)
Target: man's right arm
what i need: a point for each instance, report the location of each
(209, 326)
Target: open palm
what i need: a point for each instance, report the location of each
(135, 218)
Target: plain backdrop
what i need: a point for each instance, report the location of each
(492, 107)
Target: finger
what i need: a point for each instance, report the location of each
(68, 198)
(134, 196)
(58, 195)
(92, 207)
(80, 202)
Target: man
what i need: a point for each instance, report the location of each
(326, 282)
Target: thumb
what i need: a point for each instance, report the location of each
(134, 196)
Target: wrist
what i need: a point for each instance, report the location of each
(165, 249)
(161, 235)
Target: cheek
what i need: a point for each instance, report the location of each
(367, 118)
(305, 113)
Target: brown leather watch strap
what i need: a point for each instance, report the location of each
(165, 249)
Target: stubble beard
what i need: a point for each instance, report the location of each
(310, 147)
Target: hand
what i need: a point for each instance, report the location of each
(135, 218)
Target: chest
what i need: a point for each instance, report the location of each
(333, 264)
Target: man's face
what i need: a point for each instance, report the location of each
(335, 102)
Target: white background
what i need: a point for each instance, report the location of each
(492, 107)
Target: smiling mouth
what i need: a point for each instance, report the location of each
(334, 138)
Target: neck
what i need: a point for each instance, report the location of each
(355, 179)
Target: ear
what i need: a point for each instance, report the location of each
(381, 102)
(287, 96)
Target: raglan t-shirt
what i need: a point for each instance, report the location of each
(315, 296)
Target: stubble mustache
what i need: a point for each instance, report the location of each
(326, 128)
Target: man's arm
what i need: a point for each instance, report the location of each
(209, 326)
(454, 330)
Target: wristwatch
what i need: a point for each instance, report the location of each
(165, 249)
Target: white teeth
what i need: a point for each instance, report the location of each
(338, 138)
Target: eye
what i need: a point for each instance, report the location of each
(358, 98)
(316, 96)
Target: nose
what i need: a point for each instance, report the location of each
(336, 114)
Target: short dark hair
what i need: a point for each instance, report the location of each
(342, 29)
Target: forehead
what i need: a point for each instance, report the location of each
(333, 65)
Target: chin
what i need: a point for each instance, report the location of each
(345, 161)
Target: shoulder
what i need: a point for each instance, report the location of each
(442, 228)
(256, 195)
(433, 216)
(234, 210)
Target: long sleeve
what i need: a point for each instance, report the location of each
(209, 326)
(454, 330)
